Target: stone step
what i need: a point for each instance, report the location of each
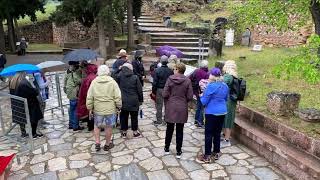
(187, 60)
(194, 55)
(173, 34)
(289, 159)
(151, 25)
(179, 44)
(188, 49)
(147, 21)
(175, 39)
(155, 29)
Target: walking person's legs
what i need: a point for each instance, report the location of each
(73, 116)
(159, 106)
(124, 116)
(169, 133)
(179, 138)
(217, 127)
(208, 138)
(96, 132)
(110, 121)
(199, 113)
(134, 123)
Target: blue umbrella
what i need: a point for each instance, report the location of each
(81, 55)
(12, 70)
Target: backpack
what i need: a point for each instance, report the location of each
(238, 89)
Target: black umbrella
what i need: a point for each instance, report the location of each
(81, 55)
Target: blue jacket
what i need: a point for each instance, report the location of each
(215, 98)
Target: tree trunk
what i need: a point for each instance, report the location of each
(315, 12)
(2, 41)
(130, 42)
(110, 27)
(17, 29)
(12, 42)
(102, 38)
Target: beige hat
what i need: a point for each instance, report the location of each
(122, 53)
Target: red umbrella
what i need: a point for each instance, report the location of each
(5, 161)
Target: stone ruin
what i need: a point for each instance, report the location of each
(308, 114)
(283, 103)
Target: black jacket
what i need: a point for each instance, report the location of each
(3, 60)
(131, 89)
(138, 68)
(25, 90)
(160, 77)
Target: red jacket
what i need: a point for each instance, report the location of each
(91, 71)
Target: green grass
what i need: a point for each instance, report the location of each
(257, 70)
(121, 37)
(49, 9)
(39, 47)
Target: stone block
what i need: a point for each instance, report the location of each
(266, 153)
(271, 125)
(315, 147)
(258, 119)
(308, 114)
(283, 103)
(279, 161)
(296, 138)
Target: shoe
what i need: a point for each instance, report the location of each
(45, 123)
(166, 151)
(39, 135)
(178, 156)
(98, 147)
(156, 123)
(70, 127)
(35, 136)
(204, 158)
(136, 134)
(108, 147)
(199, 125)
(124, 134)
(24, 135)
(225, 143)
(163, 123)
(195, 123)
(78, 129)
(216, 156)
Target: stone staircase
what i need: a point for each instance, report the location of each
(161, 35)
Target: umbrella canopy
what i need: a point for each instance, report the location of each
(81, 55)
(49, 64)
(189, 70)
(12, 70)
(168, 51)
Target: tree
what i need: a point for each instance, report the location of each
(2, 41)
(130, 24)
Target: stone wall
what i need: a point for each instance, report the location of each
(40, 32)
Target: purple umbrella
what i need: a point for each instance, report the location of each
(168, 51)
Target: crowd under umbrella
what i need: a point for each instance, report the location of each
(81, 55)
(12, 70)
(168, 51)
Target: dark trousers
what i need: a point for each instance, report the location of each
(34, 126)
(90, 123)
(23, 52)
(124, 116)
(179, 135)
(213, 127)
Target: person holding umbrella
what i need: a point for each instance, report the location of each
(72, 83)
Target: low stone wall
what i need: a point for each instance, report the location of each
(40, 32)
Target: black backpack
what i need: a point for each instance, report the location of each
(238, 89)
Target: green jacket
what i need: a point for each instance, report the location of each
(72, 82)
(104, 96)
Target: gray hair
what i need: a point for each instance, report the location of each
(204, 63)
(103, 70)
(164, 59)
(128, 65)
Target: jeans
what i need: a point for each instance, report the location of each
(199, 112)
(73, 119)
(124, 116)
(213, 127)
(179, 135)
(159, 105)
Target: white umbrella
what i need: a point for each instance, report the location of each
(49, 64)
(189, 70)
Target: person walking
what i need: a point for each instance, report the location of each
(20, 86)
(72, 83)
(120, 61)
(214, 99)
(172, 61)
(230, 70)
(104, 101)
(23, 46)
(196, 77)
(42, 85)
(3, 62)
(82, 111)
(132, 98)
(138, 68)
(160, 78)
(176, 93)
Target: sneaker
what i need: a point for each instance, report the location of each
(24, 135)
(137, 134)
(199, 125)
(216, 156)
(98, 147)
(35, 136)
(78, 129)
(39, 134)
(166, 151)
(124, 134)
(45, 123)
(108, 147)
(156, 123)
(204, 158)
(178, 155)
(195, 123)
(225, 143)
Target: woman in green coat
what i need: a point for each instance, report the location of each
(230, 70)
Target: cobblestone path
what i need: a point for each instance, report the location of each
(70, 155)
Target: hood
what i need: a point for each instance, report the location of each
(91, 69)
(204, 69)
(178, 78)
(103, 79)
(126, 71)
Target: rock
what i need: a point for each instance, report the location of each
(121, 153)
(265, 173)
(258, 161)
(117, 148)
(81, 156)
(87, 178)
(190, 165)
(170, 160)
(126, 159)
(159, 152)
(152, 164)
(237, 170)
(99, 158)
(158, 143)
(41, 158)
(54, 135)
(78, 164)
(308, 114)
(137, 143)
(38, 168)
(178, 173)
(60, 147)
(243, 163)
(241, 156)
(218, 173)
(57, 164)
(143, 154)
(19, 176)
(242, 177)
(87, 143)
(283, 103)
(103, 167)
(226, 160)
(191, 149)
(212, 166)
(64, 153)
(188, 156)
(131, 172)
(231, 150)
(69, 174)
(87, 171)
(48, 175)
(199, 175)
(159, 175)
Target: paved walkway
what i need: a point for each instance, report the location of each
(70, 155)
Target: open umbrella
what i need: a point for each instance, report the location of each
(81, 55)
(12, 70)
(49, 64)
(168, 51)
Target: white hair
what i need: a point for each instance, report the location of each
(128, 65)
(204, 63)
(230, 67)
(103, 70)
